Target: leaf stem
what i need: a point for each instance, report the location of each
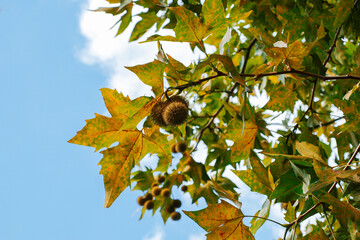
(267, 219)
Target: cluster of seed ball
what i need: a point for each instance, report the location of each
(148, 203)
(172, 112)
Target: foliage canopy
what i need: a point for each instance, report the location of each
(298, 149)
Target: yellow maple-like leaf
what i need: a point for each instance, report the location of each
(292, 55)
(221, 221)
(118, 162)
(243, 135)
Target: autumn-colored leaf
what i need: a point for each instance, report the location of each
(221, 221)
(243, 137)
(309, 150)
(151, 74)
(134, 120)
(292, 55)
(117, 163)
(214, 15)
(343, 211)
(98, 132)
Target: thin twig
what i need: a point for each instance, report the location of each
(247, 55)
(191, 84)
(333, 45)
(327, 219)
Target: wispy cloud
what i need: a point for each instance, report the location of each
(112, 54)
(158, 234)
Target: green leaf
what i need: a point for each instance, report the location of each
(189, 27)
(151, 74)
(288, 188)
(221, 221)
(147, 21)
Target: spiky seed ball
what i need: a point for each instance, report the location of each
(175, 216)
(176, 203)
(148, 196)
(141, 201)
(165, 192)
(161, 179)
(156, 191)
(169, 209)
(176, 111)
(184, 188)
(173, 148)
(156, 114)
(181, 147)
(149, 204)
(154, 184)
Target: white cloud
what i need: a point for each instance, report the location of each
(112, 54)
(197, 237)
(158, 234)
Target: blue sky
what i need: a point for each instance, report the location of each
(54, 58)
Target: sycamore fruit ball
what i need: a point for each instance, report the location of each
(173, 148)
(161, 179)
(172, 112)
(156, 191)
(176, 111)
(141, 201)
(156, 114)
(175, 216)
(184, 188)
(176, 203)
(149, 204)
(181, 147)
(148, 196)
(165, 192)
(169, 208)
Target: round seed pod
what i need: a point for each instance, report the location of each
(175, 111)
(161, 179)
(181, 147)
(173, 148)
(156, 191)
(148, 196)
(149, 204)
(169, 208)
(141, 201)
(176, 203)
(154, 184)
(175, 216)
(184, 188)
(156, 114)
(165, 192)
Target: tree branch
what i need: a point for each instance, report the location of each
(247, 55)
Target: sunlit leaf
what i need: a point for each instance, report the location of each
(151, 74)
(243, 137)
(221, 221)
